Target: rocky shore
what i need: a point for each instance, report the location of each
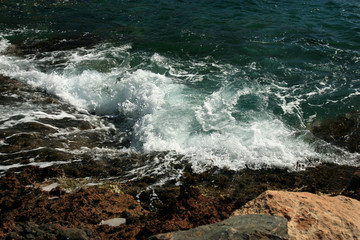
(57, 183)
(38, 203)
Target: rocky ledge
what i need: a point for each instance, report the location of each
(43, 203)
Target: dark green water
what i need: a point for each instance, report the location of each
(228, 83)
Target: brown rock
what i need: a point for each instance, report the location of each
(21, 202)
(190, 209)
(310, 216)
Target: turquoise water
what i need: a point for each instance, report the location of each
(226, 83)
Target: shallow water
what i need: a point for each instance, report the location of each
(225, 83)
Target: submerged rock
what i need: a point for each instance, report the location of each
(253, 226)
(343, 131)
(309, 216)
(53, 44)
(38, 128)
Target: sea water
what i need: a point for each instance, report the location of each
(233, 83)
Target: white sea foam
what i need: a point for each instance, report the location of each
(219, 139)
(4, 44)
(37, 164)
(166, 114)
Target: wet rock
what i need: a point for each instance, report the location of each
(68, 123)
(44, 129)
(237, 227)
(309, 216)
(343, 131)
(8, 85)
(13, 50)
(18, 93)
(247, 184)
(25, 141)
(37, 155)
(54, 44)
(35, 127)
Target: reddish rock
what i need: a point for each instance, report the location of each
(191, 209)
(21, 202)
(310, 216)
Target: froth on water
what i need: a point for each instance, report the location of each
(214, 114)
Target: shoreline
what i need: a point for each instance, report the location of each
(35, 199)
(48, 200)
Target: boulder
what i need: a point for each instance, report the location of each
(309, 216)
(237, 227)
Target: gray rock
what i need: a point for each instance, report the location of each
(253, 226)
(71, 234)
